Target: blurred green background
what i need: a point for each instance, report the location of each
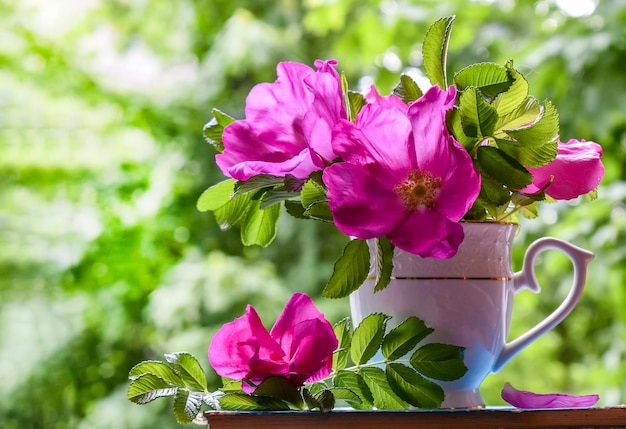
(104, 260)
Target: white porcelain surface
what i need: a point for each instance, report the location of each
(468, 300)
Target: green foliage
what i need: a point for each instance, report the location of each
(349, 271)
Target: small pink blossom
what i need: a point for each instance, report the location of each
(299, 346)
(288, 124)
(403, 176)
(576, 170)
(525, 399)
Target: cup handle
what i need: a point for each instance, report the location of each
(526, 279)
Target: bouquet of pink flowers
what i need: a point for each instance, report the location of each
(404, 168)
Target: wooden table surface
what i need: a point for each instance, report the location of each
(605, 417)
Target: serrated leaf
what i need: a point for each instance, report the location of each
(503, 168)
(280, 388)
(407, 90)
(345, 394)
(384, 397)
(187, 405)
(492, 79)
(344, 338)
(158, 368)
(508, 101)
(310, 400)
(312, 193)
(384, 263)
(233, 212)
(435, 51)
(148, 387)
(528, 112)
(355, 383)
(356, 102)
(243, 402)
(535, 145)
(214, 129)
(404, 337)
(478, 117)
(260, 226)
(189, 369)
(350, 270)
(455, 125)
(439, 361)
(413, 388)
(216, 196)
(367, 337)
(257, 182)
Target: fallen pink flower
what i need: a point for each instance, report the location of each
(299, 346)
(525, 399)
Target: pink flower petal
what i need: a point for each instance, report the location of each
(275, 138)
(243, 348)
(530, 400)
(576, 170)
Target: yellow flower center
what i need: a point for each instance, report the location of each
(418, 189)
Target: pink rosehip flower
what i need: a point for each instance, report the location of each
(299, 346)
(577, 169)
(404, 176)
(288, 124)
(525, 399)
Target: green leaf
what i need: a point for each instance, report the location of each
(455, 125)
(345, 394)
(243, 402)
(502, 167)
(508, 101)
(413, 388)
(158, 368)
(355, 384)
(493, 192)
(280, 388)
(260, 225)
(535, 145)
(233, 212)
(189, 369)
(492, 79)
(187, 405)
(435, 51)
(319, 211)
(295, 209)
(404, 337)
(439, 361)
(275, 196)
(258, 182)
(216, 196)
(326, 400)
(350, 270)
(478, 117)
(148, 387)
(312, 193)
(356, 101)
(384, 263)
(384, 397)
(214, 129)
(367, 337)
(528, 112)
(407, 90)
(344, 338)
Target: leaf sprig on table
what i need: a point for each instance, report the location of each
(372, 369)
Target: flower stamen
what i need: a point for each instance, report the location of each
(418, 189)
